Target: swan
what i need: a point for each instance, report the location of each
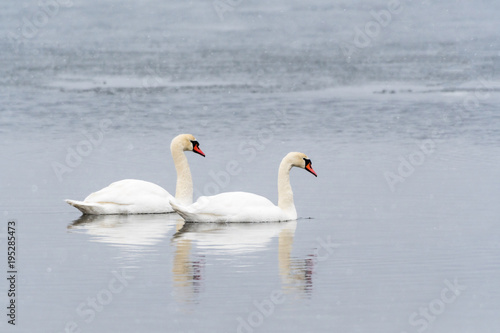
(132, 196)
(248, 207)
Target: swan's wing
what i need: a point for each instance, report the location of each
(129, 196)
(230, 203)
(230, 207)
(128, 192)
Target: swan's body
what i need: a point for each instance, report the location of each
(233, 207)
(132, 196)
(248, 207)
(128, 196)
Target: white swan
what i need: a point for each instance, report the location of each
(132, 196)
(248, 207)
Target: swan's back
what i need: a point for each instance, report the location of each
(235, 200)
(232, 207)
(128, 191)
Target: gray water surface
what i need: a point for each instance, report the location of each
(399, 232)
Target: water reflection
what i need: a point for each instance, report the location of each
(194, 242)
(134, 234)
(295, 273)
(187, 272)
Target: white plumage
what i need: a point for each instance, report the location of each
(128, 196)
(132, 196)
(248, 207)
(232, 207)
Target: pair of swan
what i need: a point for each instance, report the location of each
(131, 196)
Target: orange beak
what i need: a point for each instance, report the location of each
(311, 170)
(197, 150)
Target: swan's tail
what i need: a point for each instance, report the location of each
(86, 207)
(183, 211)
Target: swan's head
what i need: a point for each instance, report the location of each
(300, 160)
(186, 142)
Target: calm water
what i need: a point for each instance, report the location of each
(399, 233)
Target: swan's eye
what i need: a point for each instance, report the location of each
(309, 167)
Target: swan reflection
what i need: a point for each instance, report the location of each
(194, 242)
(187, 272)
(295, 273)
(232, 238)
(134, 234)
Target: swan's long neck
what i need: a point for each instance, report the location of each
(285, 193)
(184, 186)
